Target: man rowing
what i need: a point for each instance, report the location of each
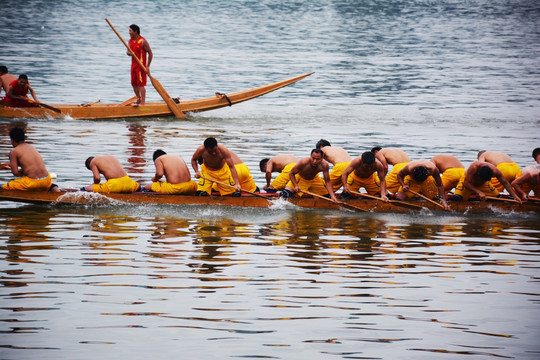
(17, 95)
(305, 176)
(504, 163)
(176, 172)
(26, 162)
(451, 169)
(527, 182)
(423, 177)
(395, 157)
(117, 180)
(222, 165)
(477, 180)
(282, 164)
(338, 157)
(365, 171)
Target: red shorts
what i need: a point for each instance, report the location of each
(138, 77)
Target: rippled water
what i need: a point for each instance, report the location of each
(196, 282)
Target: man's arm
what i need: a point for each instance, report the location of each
(194, 161)
(401, 177)
(435, 173)
(327, 183)
(381, 174)
(345, 175)
(499, 175)
(14, 164)
(268, 173)
(292, 174)
(517, 183)
(229, 160)
(33, 93)
(146, 47)
(159, 170)
(95, 173)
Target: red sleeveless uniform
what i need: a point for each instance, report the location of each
(138, 76)
(19, 91)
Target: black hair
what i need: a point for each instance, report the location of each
(157, 154)
(3, 69)
(485, 173)
(135, 28)
(420, 174)
(87, 162)
(368, 158)
(210, 143)
(535, 153)
(322, 143)
(317, 151)
(263, 163)
(376, 148)
(17, 134)
(23, 76)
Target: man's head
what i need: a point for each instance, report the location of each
(316, 157)
(368, 158)
(134, 28)
(158, 153)
(376, 149)
(480, 153)
(3, 70)
(535, 154)
(210, 145)
(420, 174)
(17, 134)
(262, 164)
(23, 79)
(485, 173)
(88, 161)
(322, 143)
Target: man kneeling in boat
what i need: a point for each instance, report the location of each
(477, 180)
(527, 182)
(176, 173)
(365, 171)
(504, 163)
(423, 177)
(305, 176)
(230, 173)
(281, 164)
(118, 180)
(25, 161)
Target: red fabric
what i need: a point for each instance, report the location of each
(19, 91)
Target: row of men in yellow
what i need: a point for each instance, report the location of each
(222, 170)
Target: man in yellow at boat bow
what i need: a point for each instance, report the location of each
(118, 180)
(282, 164)
(222, 165)
(25, 161)
(305, 176)
(176, 172)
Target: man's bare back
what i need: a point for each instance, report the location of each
(445, 162)
(107, 165)
(5, 80)
(173, 167)
(28, 159)
(394, 156)
(335, 154)
(277, 163)
(494, 157)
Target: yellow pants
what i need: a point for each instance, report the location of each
(487, 188)
(372, 184)
(118, 185)
(450, 178)
(392, 183)
(28, 184)
(335, 174)
(224, 175)
(282, 179)
(510, 172)
(188, 187)
(427, 188)
(315, 185)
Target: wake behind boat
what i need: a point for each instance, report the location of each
(498, 206)
(97, 110)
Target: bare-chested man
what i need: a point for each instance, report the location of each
(365, 171)
(477, 180)
(529, 180)
(451, 169)
(421, 176)
(305, 176)
(504, 163)
(176, 172)
(280, 163)
(395, 157)
(223, 165)
(338, 157)
(26, 162)
(117, 180)
(5, 79)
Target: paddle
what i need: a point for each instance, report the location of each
(501, 199)
(157, 85)
(426, 198)
(345, 205)
(90, 104)
(5, 166)
(393, 202)
(46, 106)
(233, 187)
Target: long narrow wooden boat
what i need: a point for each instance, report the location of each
(80, 197)
(153, 109)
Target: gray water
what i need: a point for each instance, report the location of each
(121, 281)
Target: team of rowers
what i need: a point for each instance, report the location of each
(221, 170)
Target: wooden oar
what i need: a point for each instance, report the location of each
(5, 166)
(233, 187)
(501, 199)
(393, 202)
(426, 198)
(128, 101)
(345, 205)
(157, 85)
(46, 106)
(90, 104)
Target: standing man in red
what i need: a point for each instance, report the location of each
(141, 48)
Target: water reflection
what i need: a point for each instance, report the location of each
(136, 148)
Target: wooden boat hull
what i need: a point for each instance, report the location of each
(79, 197)
(155, 109)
